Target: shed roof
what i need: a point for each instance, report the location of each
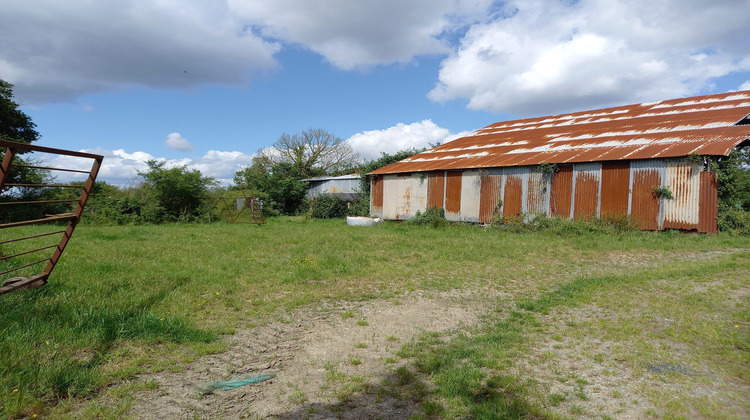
(331, 178)
(705, 125)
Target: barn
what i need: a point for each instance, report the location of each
(621, 161)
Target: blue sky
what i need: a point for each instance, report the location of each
(223, 79)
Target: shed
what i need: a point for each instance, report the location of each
(344, 186)
(609, 162)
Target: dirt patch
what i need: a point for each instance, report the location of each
(323, 359)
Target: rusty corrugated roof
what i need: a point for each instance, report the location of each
(705, 125)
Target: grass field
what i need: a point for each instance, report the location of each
(128, 300)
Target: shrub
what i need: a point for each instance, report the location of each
(327, 206)
(434, 216)
(735, 222)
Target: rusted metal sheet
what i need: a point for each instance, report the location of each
(513, 197)
(561, 192)
(709, 202)
(615, 189)
(705, 125)
(24, 258)
(645, 205)
(537, 191)
(470, 192)
(586, 183)
(490, 198)
(436, 189)
(376, 196)
(453, 195)
(683, 179)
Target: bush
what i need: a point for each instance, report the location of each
(434, 216)
(327, 206)
(735, 221)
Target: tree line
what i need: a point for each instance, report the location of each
(275, 176)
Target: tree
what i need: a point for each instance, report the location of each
(15, 125)
(280, 187)
(181, 194)
(313, 152)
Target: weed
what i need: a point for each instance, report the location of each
(360, 345)
(362, 323)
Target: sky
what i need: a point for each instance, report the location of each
(206, 84)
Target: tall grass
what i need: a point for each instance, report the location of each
(130, 299)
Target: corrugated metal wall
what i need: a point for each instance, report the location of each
(561, 192)
(586, 184)
(376, 196)
(709, 203)
(436, 189)
(513, 196)
(615, 189)
(582, 190)
(453, 195)
(644, 205)
(471, 183)
(681, 212)
(490, 196)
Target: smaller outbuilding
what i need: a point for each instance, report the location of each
(345, 187)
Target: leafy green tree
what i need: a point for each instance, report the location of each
(15, 125)
(280, 187)
(181, 194)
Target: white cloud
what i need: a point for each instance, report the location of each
(745, 86)
(544, 57)
(175, 141)
(370, 144)
(121, 168)
(358, 34)
(56, 51)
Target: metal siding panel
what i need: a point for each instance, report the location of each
(709, 203)
(586, 179)
(390, 196)
(615, 188)
(453, 195)
(512, 198)
(490, 196)
(683, 178)
(376, 196)
(470, 190)
(645, 206)
(561, 192)
(435, 189)
(537, 197)
(418, 195)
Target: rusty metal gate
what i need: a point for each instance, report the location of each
(24, 247)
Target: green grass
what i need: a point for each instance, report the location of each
(131, 299)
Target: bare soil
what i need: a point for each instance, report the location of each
(329, 361)
(321, 357)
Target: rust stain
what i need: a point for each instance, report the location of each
(709, 201)
(644, 207)
(489, 197)
(615, 181)
(453, 194)
(435, 189)
(512, 204)
(705, 125)
(561, 192)
(587, 196)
